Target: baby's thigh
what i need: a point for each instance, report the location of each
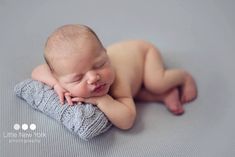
(153, 60)
(153, 69)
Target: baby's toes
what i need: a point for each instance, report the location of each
(189, 90)
(175, 108)
(188, 96)
(178, 111)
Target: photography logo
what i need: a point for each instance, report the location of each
(24, 133)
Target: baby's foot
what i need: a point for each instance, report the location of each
(189, 90)
(173, 103)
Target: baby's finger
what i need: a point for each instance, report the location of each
(61, 97)
(91, 101)
(76, 99)
(68, 98)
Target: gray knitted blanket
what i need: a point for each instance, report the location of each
(85, 120)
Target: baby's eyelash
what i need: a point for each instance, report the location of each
(77, 80)
(99, 65)
(102, 64)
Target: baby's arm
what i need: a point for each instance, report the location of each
(43, 74)
(121, 112)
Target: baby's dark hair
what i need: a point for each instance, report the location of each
(65, 34)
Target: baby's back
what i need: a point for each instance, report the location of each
(128, 59)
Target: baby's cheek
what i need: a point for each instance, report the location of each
(109, 74)
(79, 91)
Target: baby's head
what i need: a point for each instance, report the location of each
(79, 61)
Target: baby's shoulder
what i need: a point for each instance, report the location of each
(120, 91)
(121, 86)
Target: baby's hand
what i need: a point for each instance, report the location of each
(92, 100)
(63, 93)
(78, 100)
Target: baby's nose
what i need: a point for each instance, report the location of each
(93, 78)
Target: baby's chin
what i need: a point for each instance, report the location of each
(99, 95)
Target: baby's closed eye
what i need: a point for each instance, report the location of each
(100, 65)
(77, 80)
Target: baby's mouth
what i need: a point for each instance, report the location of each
(99, 88)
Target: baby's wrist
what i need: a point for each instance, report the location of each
(107, 99)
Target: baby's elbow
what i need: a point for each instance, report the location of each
(130, 122)
(127, 126)
(33, 74)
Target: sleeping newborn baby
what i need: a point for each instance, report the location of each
(80, 69)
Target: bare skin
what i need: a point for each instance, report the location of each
(158, 83)
(112, 78)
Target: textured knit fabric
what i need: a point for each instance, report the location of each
(85, 120)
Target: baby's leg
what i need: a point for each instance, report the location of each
(170, 99)
(158, 80)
